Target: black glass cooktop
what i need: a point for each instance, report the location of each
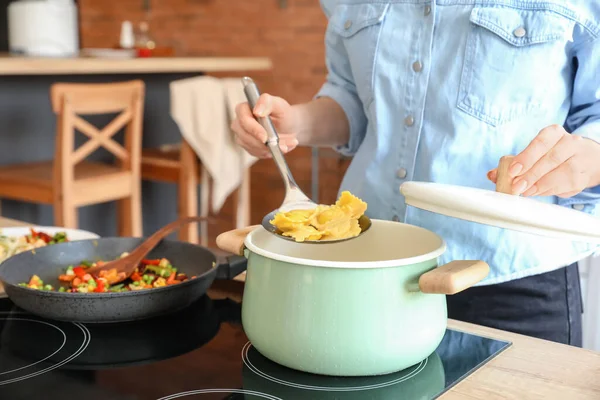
(197, 353)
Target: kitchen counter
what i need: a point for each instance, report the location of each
(19, 65)
(529, 369)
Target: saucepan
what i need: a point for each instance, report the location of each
(369, 306)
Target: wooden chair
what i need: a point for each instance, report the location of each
(180, 165)
(70, 181)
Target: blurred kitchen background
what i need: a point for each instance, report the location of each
(195, 37)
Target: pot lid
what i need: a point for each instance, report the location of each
(503, 210)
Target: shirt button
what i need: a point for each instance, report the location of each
(520, 32)
(395, 219)
(348, 24)
(417, 66)
(401, 173)
(578, 207)
(409, 121)
(427, 10)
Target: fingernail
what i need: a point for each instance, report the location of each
(283, 147)
(519, 186)
(531, 192)
(295, 142)
(515, 169)
(259, 110)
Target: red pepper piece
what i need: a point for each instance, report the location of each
(45, 237)
(151, 262)
(99, 286)
(136, 277)
(79, 272)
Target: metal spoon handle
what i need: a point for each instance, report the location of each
(293, 192)
(252, 94)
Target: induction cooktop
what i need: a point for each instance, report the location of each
(197, 353)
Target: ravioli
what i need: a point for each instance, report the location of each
(338, 221)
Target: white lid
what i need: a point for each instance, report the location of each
(503, 210)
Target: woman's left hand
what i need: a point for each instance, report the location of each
(555, 163)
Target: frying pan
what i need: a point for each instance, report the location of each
(49, 262)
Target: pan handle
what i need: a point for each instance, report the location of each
(233, 241)
(453, 277)
(230, 267)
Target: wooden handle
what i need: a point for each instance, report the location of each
(503, 180)
(150, 243)
(233, 241)
(126, 265)
(453, 277)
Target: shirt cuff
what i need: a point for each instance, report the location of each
(590, 130)
(353, 109)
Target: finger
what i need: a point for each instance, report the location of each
(251, 145)
(563, 179)
(493, 175)
(290, 143)
(540, 145)
(248, 124)
(569, 194)
(558, 154)
(269, 105)
(259, 149)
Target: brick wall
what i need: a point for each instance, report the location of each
(291, 37)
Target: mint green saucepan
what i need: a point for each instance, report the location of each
(368, 306)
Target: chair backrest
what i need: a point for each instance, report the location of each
(70, 100)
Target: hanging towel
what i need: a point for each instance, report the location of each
(203, 108)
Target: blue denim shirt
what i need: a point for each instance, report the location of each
(439, 90)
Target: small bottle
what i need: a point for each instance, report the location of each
(127, 37)
(144, 43)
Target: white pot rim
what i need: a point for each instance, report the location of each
(250, 244)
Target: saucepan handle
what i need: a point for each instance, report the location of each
(233, 241)
(230, 267)
(453, 277)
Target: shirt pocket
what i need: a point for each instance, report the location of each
(356, 28)
(512, 56)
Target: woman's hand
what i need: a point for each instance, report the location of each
(555, 163)
(252, 136)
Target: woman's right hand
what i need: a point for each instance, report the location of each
(250, 134)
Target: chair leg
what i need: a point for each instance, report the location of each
(242, 202)
(65, 213)
(129, 215)
(205, 205)
(187, 188)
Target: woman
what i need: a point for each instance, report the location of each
(439, 91)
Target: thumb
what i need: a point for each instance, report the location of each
(493, 175)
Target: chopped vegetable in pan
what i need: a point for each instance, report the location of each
(149, 274)
(11, 245)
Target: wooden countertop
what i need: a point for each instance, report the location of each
(19, 65)
(529, 369)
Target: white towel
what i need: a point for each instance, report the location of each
(203, 108)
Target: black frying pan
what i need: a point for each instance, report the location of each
(50, 261)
